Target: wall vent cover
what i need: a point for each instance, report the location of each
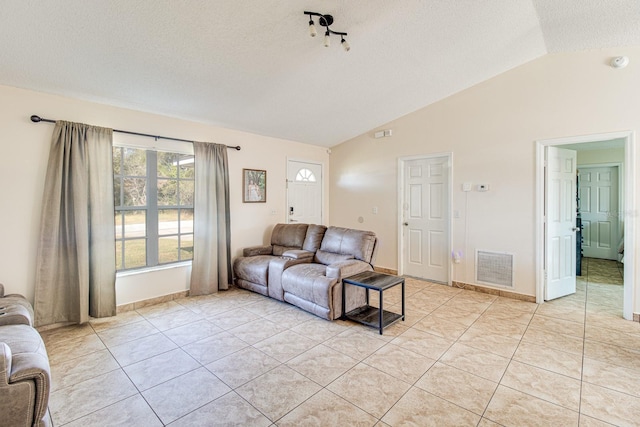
(494, 268)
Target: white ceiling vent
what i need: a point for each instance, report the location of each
(494, 268)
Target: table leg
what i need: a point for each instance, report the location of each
(403, 300)
(344, 314)
(380, 313)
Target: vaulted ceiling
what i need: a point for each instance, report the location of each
(251, 65)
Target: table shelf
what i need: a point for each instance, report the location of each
(368, 315)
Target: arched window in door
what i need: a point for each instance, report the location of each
(305, 175)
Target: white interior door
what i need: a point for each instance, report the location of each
(304, 192)
(426, 219)
(560, 215)
(599, 211)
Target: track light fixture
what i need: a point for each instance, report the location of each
(326, 21)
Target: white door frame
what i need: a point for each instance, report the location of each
(402, 161)
(629, 214)
(322, 187)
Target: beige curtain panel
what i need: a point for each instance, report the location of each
(75, 275)
(211, 267)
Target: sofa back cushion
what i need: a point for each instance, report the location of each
(347, 241)
(287, 236)
(314, 236)
(326, 258)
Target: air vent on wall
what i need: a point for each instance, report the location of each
(494, 268)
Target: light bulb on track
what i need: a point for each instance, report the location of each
(312, 29)
(345, 45)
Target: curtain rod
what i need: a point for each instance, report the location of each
(36, 119)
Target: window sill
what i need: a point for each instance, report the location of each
(153, 269)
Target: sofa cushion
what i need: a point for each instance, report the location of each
(358, 243)
(314, 236)
(308, 282)
(290, 236)
(327, 258)
(253, 269)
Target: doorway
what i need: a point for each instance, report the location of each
(600, 211)
(602, 142)
(304, 192)
(425, 228)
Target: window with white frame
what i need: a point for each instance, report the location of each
(153, 195)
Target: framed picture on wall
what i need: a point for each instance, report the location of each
(254, 186)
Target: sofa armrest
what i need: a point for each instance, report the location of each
(300, 254)
(257, 250)
(33, 368)
(276, 267)
(341, 269)
(5, 364)
(14, 313)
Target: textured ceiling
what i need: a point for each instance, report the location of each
(251, 65)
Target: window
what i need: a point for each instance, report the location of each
(153, 197)
(305, 175)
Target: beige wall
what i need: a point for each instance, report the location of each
(24, 148)
(594, 157)
(491, 129)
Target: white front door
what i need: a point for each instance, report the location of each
(599, 211)
(425, 219)
(304, 192)
(560, 215)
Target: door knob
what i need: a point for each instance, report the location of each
(575, 228)
(406, 223)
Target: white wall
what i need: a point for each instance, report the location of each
(24, 149)
(491, 130)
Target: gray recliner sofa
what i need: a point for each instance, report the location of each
(307, 272)
(25, 376)
(260, 268)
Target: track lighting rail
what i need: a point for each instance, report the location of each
(326, 21)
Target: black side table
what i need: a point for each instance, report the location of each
(375, 317)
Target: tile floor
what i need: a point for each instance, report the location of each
(461, 358)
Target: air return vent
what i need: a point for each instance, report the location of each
(494, 268)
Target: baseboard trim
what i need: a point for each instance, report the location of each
(151, 301)
(636, 317)
(477, 288)
(385, 270)
(494, 291)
